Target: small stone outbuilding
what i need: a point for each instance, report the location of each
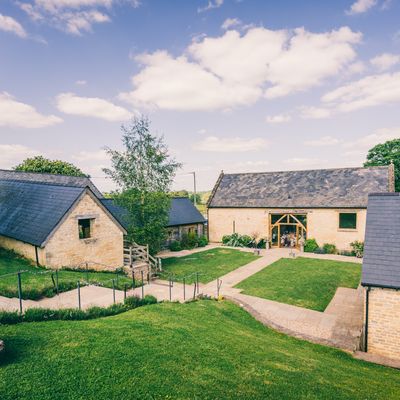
(329, 205)
(184, 218)
(58, 221)
(381, 276)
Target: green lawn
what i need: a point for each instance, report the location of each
(303, 282)
(37, 284)
(200, 350)
(210, 264)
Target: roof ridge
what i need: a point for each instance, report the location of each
(308, 170)
(42, 173)
(45, 183)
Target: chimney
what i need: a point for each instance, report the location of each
(391, 177)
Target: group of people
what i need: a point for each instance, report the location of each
(288, 240)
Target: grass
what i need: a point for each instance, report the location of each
(303, 282)
(38, 282)
(210, 264)
(199, 350)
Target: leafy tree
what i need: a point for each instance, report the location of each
(179, 193)
(44, 165)
(145, 164)
(144, 171)
(384, 154)
(198, 198)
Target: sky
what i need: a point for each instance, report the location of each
(232, 85)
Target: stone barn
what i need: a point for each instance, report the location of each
(58, 221)
(381, 276)
(329, 205)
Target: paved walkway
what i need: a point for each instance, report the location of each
(339, 326)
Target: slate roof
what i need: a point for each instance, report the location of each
(51, 179)
(29, 211)
(183, 212)
(381, 263)
(322, 188)
(119, 213)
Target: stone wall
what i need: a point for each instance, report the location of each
(25, 249)
(322, 224)
(104, 249)
(384, 322)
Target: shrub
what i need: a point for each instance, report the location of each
(237, 240)
(346, 253)
(175, 246)
(46, 314)
(358, 248)
(310, 245)
(330, 248)
(202, 241)
(319, 250)
(10, 317)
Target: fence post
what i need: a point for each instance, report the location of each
(219, 284)
(113, 284)
(133, 279)
(142, 285)
(194, 291)
(79, 295)
(184, 289)
(57, 282)
(125, 292)
(197, 282)
(20, 292)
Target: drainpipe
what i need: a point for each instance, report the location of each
(366, 319)
(37, 257)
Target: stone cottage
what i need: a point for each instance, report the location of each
(329, 205)
(58, 221)
(381, 276)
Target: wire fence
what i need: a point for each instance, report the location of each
(34, 285)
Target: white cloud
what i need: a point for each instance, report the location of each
(211, 5)
(361, 6)
(278, 119)
(314, 112)
(227, 145)
(69, 103)
(379, 136)
(299, 162)
(230, 23)
(72, 16)
(323, 141)
(357, 67)
(385, 61)
(81, 82)
(235, 70)
(13, 154)
(373, 90)
(90, 156)
(16, 114)
(9, 24)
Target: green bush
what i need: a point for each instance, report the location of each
(202, 241)
(175, 246)
(358, 248)
(319, 250)
(46, 314)
(10, 317)
(330, 248)
(310, 245)
(237, 240)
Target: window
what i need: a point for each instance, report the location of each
(347, 220)
(84, 228)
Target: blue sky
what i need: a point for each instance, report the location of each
(235, 85)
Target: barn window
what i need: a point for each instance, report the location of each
(84, 228)
(347, 220)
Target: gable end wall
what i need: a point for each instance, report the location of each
(104, 250)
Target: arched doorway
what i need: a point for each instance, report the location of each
(287, 229)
